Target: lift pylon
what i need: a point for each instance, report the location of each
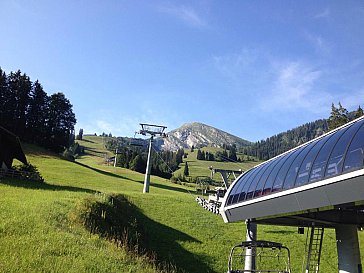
(152, 130)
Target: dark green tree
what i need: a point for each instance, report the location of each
(232, 154)
(4, 98)
(61, 123)
(80, 134)
(138, 164)
(199, 154)
(37, 115)
(20, 87)
(185, 170)
(338, 116)
(359, 112)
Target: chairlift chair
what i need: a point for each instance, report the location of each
(269, 257)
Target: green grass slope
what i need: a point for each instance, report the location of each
(37, 233)
(201, 167)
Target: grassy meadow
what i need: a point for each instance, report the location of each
(39, 233)
(201, 167)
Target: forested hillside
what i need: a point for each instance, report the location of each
(280, 143)
(277, 144)
(135, 157)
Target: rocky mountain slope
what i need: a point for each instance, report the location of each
(198, 135)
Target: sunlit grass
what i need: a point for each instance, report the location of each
(38, 235)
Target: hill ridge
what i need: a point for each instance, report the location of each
(198, 134)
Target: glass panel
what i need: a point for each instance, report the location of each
(278, 182)
(255, 181)
(273, 174)
(318, 167)
(239, 186)
(336, 161)
(234, 190)
(303, 173)
(247, 184)
(292, 172)
(262, 180)
(354, 156)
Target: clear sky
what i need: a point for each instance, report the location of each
(251, 68)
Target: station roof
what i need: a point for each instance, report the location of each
(331, 157)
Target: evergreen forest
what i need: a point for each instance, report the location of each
(282, 142)
(164, 163)
(27, 111)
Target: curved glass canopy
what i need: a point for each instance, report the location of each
(335, 153)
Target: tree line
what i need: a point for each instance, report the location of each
(27, 111)
(280, 143)
(163, 163)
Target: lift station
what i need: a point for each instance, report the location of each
(317, 185)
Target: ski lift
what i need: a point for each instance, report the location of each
(265, 254)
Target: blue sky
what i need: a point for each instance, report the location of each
(251, 68)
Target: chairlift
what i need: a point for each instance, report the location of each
(269, 257)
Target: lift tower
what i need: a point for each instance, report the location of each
(152, 130)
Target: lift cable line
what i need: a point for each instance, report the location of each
(170, 169)
(152, 130)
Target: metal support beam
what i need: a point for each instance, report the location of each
(251, 235)
(348, 249)
(149, 165)
(115, 159)
(225, 174)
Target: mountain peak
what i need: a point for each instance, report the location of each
(198, 134)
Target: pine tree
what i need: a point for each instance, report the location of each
(186, 171)
(61, 122)
(80, 134)
(344, 115)
(199, 154)
(232, 154)
(338, 117)
(20, 88)
(359, 112)
(37, 115)
(4, 97)
(138, 164)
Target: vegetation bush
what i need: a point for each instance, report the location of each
(73, 152)
(115, 218)
(29, 171)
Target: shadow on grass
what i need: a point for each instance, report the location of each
(118, 220)
(86, 140)
(161, 186)
(171, 188)
(91, 151)
(105, 172)
(281, 232)
(30, 184)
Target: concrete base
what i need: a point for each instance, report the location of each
(348, 249)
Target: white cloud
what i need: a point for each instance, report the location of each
(104, 126)
(247, 62)
(353, 100)
(319, 43)
(296, 87)
(186, 14)
(323, 14)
